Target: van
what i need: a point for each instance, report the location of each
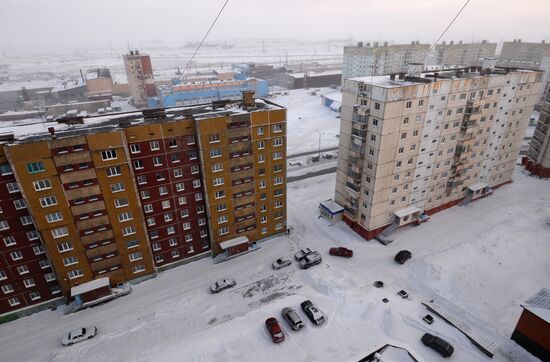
(310, 260)
(292, 318)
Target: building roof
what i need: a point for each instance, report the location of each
(233, 242)
(334, 96)
(407, 211)
(316, 74)
(332, 206)
(539, 304)
(89, 286)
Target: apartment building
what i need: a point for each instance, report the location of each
(26, 275)
(520, 54)
(139, 72)
(126, 195)
(244, 172)
(378, 59)
(537, 160)
(416, 144)
(465, 54)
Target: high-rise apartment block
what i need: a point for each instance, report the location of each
(125, 195)
(538, 157)
(139, 72)
(378, 59)
(425, 142)
(466, 54)
(522, 55)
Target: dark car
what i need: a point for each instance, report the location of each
(403, 256)
(274, 330)
(443, 347)
(313, 313)
(341, 251)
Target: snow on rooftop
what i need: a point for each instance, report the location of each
(539, 304)
(233, 242)
(478, 186)
(332, 206)
(336, 96)
(316, 74)
(89, 286)
(407, 211)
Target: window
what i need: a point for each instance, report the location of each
(145, 194)
(215, 152)
(277, 180)
(19, 204)
(135, 256)
(108, 155)
(4, 225)
(190, 140)
(192, 154)
(13, 301)
(172, 142)
(408, 104)
(214, 138)
(165, 204)
(121, 202)
(3, 275)
(200, 209)
(376, 106)
(223, 230)
(188, 237)
(12, 187)
(217, 167)
(42, 185)
(163, 190)
(406, 120)
(186, 225)
(198, 196)
(63, 247)
(202, 221)
(260, 131)
(278, 203)
(154, 145)
(168, 217)
(277, 142)
(171, 230)
(277, 155)
(7, 288)
(45, 263)
(375, 122)
(138, 268)
(32, 235)
(38, 249)
(277, 128)
(125, 216)
(157, 161)
(262, 184)
(196, 183)
(22, 269)
(50, 277)
(60, 232)
(194, 169)
(218, 181)
(113, 171)
(35, 167)
(128, 230)
(182, 200)
(263, 219)
(73, 274)
(222, 219)
(71, 260)
(373, 137)
(54, 216)
(134, 148)
(138, 164)
(261, 158)
(9, 240)
(29, 283)
(117, 187)
(175, 158)
(219, 194)
(221, 207)
(261, 145)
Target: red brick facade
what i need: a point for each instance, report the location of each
(534, 168)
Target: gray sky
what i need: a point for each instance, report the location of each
(70, 24)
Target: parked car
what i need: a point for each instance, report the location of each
(222, 284)
(403, 256)
(403, 294)
(281, 263)
(274, 330)
(310, 260)
(341, 251)
(79, 335)
(443, 347)
(302, 254)
(292, 318)
(313, 313)
(428, 319)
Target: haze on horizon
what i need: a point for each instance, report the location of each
(30, 26)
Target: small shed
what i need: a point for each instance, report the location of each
(332, 101)
(92, 290)
(331, 211)
(532, 331)
(478, 190)
(235, 246)
(407, 216)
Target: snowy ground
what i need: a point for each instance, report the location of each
(306, 118)
(486, 258)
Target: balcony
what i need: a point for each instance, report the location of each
(241, 124)
(244, 206)
(240, 153)
(243, 167)
(244, 180)
(361, 111)
(353, 186)
(239, 139)
(245, 217)
(243, 193)
(350, 211)
(467, 125)
(361, 135)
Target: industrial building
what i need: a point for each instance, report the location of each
(462, 54)
(537, 160)
(122, 196)
(532, 331)
(411, 145)
(309, 79)
(189, 93)
(378, 59)
(139, 72)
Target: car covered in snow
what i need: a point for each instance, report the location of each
(403, 256)
(222, 284)
(79, 335)
(341, 251)
(403, 294)
(443, 347)
(302, 254)
(292, 318)
(274, 330)
(310, 260)
(313, 313)
(281, 263)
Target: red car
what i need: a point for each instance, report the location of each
(341, 251)
(274, 330)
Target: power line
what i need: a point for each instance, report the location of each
(451, 23)
(203, 39)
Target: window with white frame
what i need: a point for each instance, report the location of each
(154, 145)
(6, 289)
(221, 207)
(196, 183)
(277, 128)
(54, 217)
(33, 235)
(222, 219)
(223, 230)
(172, 142)
(201, 221)
(3, 275)
(40, 185)
(135, 256)
(198, 196)
(277, 155)
(145, 194)
(214, 138)
(48, 201)
(182, 200)
(29, 283)
(168, 217)
(113, 171)
(60, 232)
(22, 269)
(194, 169)
(278, 203)
(19, 204)
(108, 155)
(173, 242)
(71, 260)
(74, 274)
(13, 301)
(219, 194)
(138, 164)
(277, 180)
(9, 240)
(121, 202)
(134, 148)
(170, 229)
(178, 172)
(65, 246)
(188, 237)
(186, 225)
(157, 161)
(12, 187)
(151, 221)
(261, 145)
(165, 204)
(128, 230)
(277, 142)
(117, 187)
(215, 152)
(218, 181)
(163, 190)
(216, 167)
(261, 158)
(125, 216)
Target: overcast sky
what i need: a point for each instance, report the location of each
(70, 24)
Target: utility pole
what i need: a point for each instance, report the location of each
(319, 154)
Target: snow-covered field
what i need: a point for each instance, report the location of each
(485, 258)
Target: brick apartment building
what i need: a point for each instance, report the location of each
(415, 144)
(124, 195)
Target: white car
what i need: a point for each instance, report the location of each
(281, 263)
(79, 334)
(302, 254)
(222, 284)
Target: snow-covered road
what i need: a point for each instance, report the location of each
(486, 258)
